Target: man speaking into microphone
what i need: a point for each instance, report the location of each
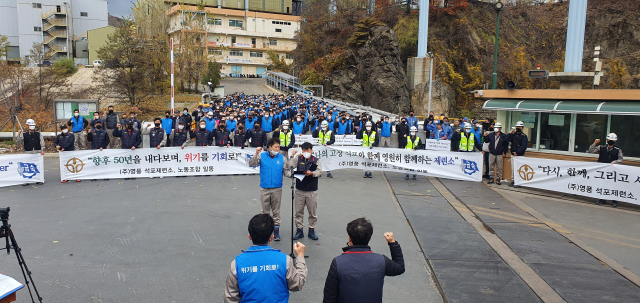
(306, 190)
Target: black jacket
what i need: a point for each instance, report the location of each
(503, 143)
(358, 274)
(258, 137)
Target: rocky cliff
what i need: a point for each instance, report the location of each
(373, 74)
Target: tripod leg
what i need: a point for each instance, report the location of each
(293, 255)
(23, 266)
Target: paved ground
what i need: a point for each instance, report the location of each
(172, 239)
(247, 85)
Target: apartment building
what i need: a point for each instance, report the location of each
(238, 39)
(56, 23)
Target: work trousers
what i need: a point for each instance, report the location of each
(495, 160)
(114, 142)
(385, 141)
(270, 199)
(79, 139)
(486, 163)
(310, 199)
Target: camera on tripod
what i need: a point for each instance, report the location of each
(4, 213)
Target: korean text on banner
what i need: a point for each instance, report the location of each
(441, 145)
(444, 164)
(168, 161)
(21, 169)
(591, 179)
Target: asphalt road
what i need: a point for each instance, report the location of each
(250, 86)
(172, 239)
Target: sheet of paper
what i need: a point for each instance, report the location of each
(299, 176)
(8, 285)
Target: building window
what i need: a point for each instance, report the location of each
(37, 5)
(289, 56)
(235, 53)
(235, 23)
(278, 30)
(554, 131)
(255, 54)
(626, 128)
(84, 14)
(288, 23)
(233, 39)
(273, 42)
(253, 41)
(214, 21)
(37, 29)
(213, 51)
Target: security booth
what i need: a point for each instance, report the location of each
(562, 124)
(64, 109)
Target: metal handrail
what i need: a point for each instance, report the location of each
(54, 11)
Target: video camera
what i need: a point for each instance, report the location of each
(4, 213)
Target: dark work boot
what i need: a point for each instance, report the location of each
(498, 181)
(299, 234)
(601, 201)
(276, 233)
(329, 175)
(614, 203)
(406, 177)
(414, 177)
(312, 234)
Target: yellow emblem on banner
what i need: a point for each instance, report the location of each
(74, 165)
(526, 172)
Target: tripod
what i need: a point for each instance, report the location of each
(293, 197)
(7, 233)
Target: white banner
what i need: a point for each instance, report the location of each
(591, 179)
(21, 169)
(441, 145)
(340, 140)
(442, 164)
(151, 162)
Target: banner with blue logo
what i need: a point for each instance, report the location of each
(440, 164)
(21, 169)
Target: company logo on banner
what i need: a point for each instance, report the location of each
(21, 169)
(469, 167)
(27, 170)
(597, 180)
(74, 165)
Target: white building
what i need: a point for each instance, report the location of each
(56, 23)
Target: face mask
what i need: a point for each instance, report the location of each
(411, 115)
(32, 127)
(157, 124)
(430, 116)
(240, 128)
(133, 117)
(130, 127)
(611, 143)
(185, 112)
(404, 122)
(202, 126)
(96, 117)
(467, 130)
(111, 111)
(413, 134)
(98, 126)
(518, 130)
(257, 127)
(180, 126)
(198, 109)
(298, 119)
(222, 126)
(368, 127)
(273, 153)
(266, 116)
(76, 114)
(285, 127)
(306, 155)
(166, 116)
(477, 125)
(497, 129)
(348, 118)
(446, 123)
(64, 131)
(325, 127)
(387, 120)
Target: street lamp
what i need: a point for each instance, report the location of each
(430, 79)
(494, 77)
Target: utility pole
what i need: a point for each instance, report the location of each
(494, 77)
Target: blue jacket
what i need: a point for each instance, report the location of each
(298, 127)
(412, 121)
(267, 124)
(65, 141)
(439, 134)
(477, 133)
(430, 127)
(447, 128)
(386, 129)
(331, 125)
(231, 125)
(167, 125)
(262, 275)
(77, 125)
(271, 170)
(211, 124)
(248, 123)
(343, 128)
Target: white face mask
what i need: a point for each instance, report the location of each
(368, 127)
(306, 155)
(273, 152)
(413, 133)
(180, 126)
(298, 119)
(203, 126)
(76, 114)
(32, 127)
(96, 117)
(64, 131)
(285, 127)
(478, 125)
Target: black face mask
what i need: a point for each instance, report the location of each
(518, 130)
(166, 116)
(257, 127)
(240, 129)
(411, 115)
(157, 124)
(611, 143)
(404, 122)
(98, 126)
(111, 111)
(430, 116)
(129, 127)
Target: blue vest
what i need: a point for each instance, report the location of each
(262, 275)
(271, 170)
(267, 124)
(386, 129)
(231, 125)
(77, 125)
(331, 125)
(248, 124)
(342, 127)
(298, 127)
(167, 125)
(210, 124)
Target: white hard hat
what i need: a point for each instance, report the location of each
(413, 129)
(31, 122)
(324, 123)
(368, 123)
(467, 125)
(498, 125)
(612, 137)
(285, 122)
(519, 124)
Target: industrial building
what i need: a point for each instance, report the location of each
(55, 23)
(239, 33)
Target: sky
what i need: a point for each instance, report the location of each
(120, 8)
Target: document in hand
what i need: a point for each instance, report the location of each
(8, 285)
